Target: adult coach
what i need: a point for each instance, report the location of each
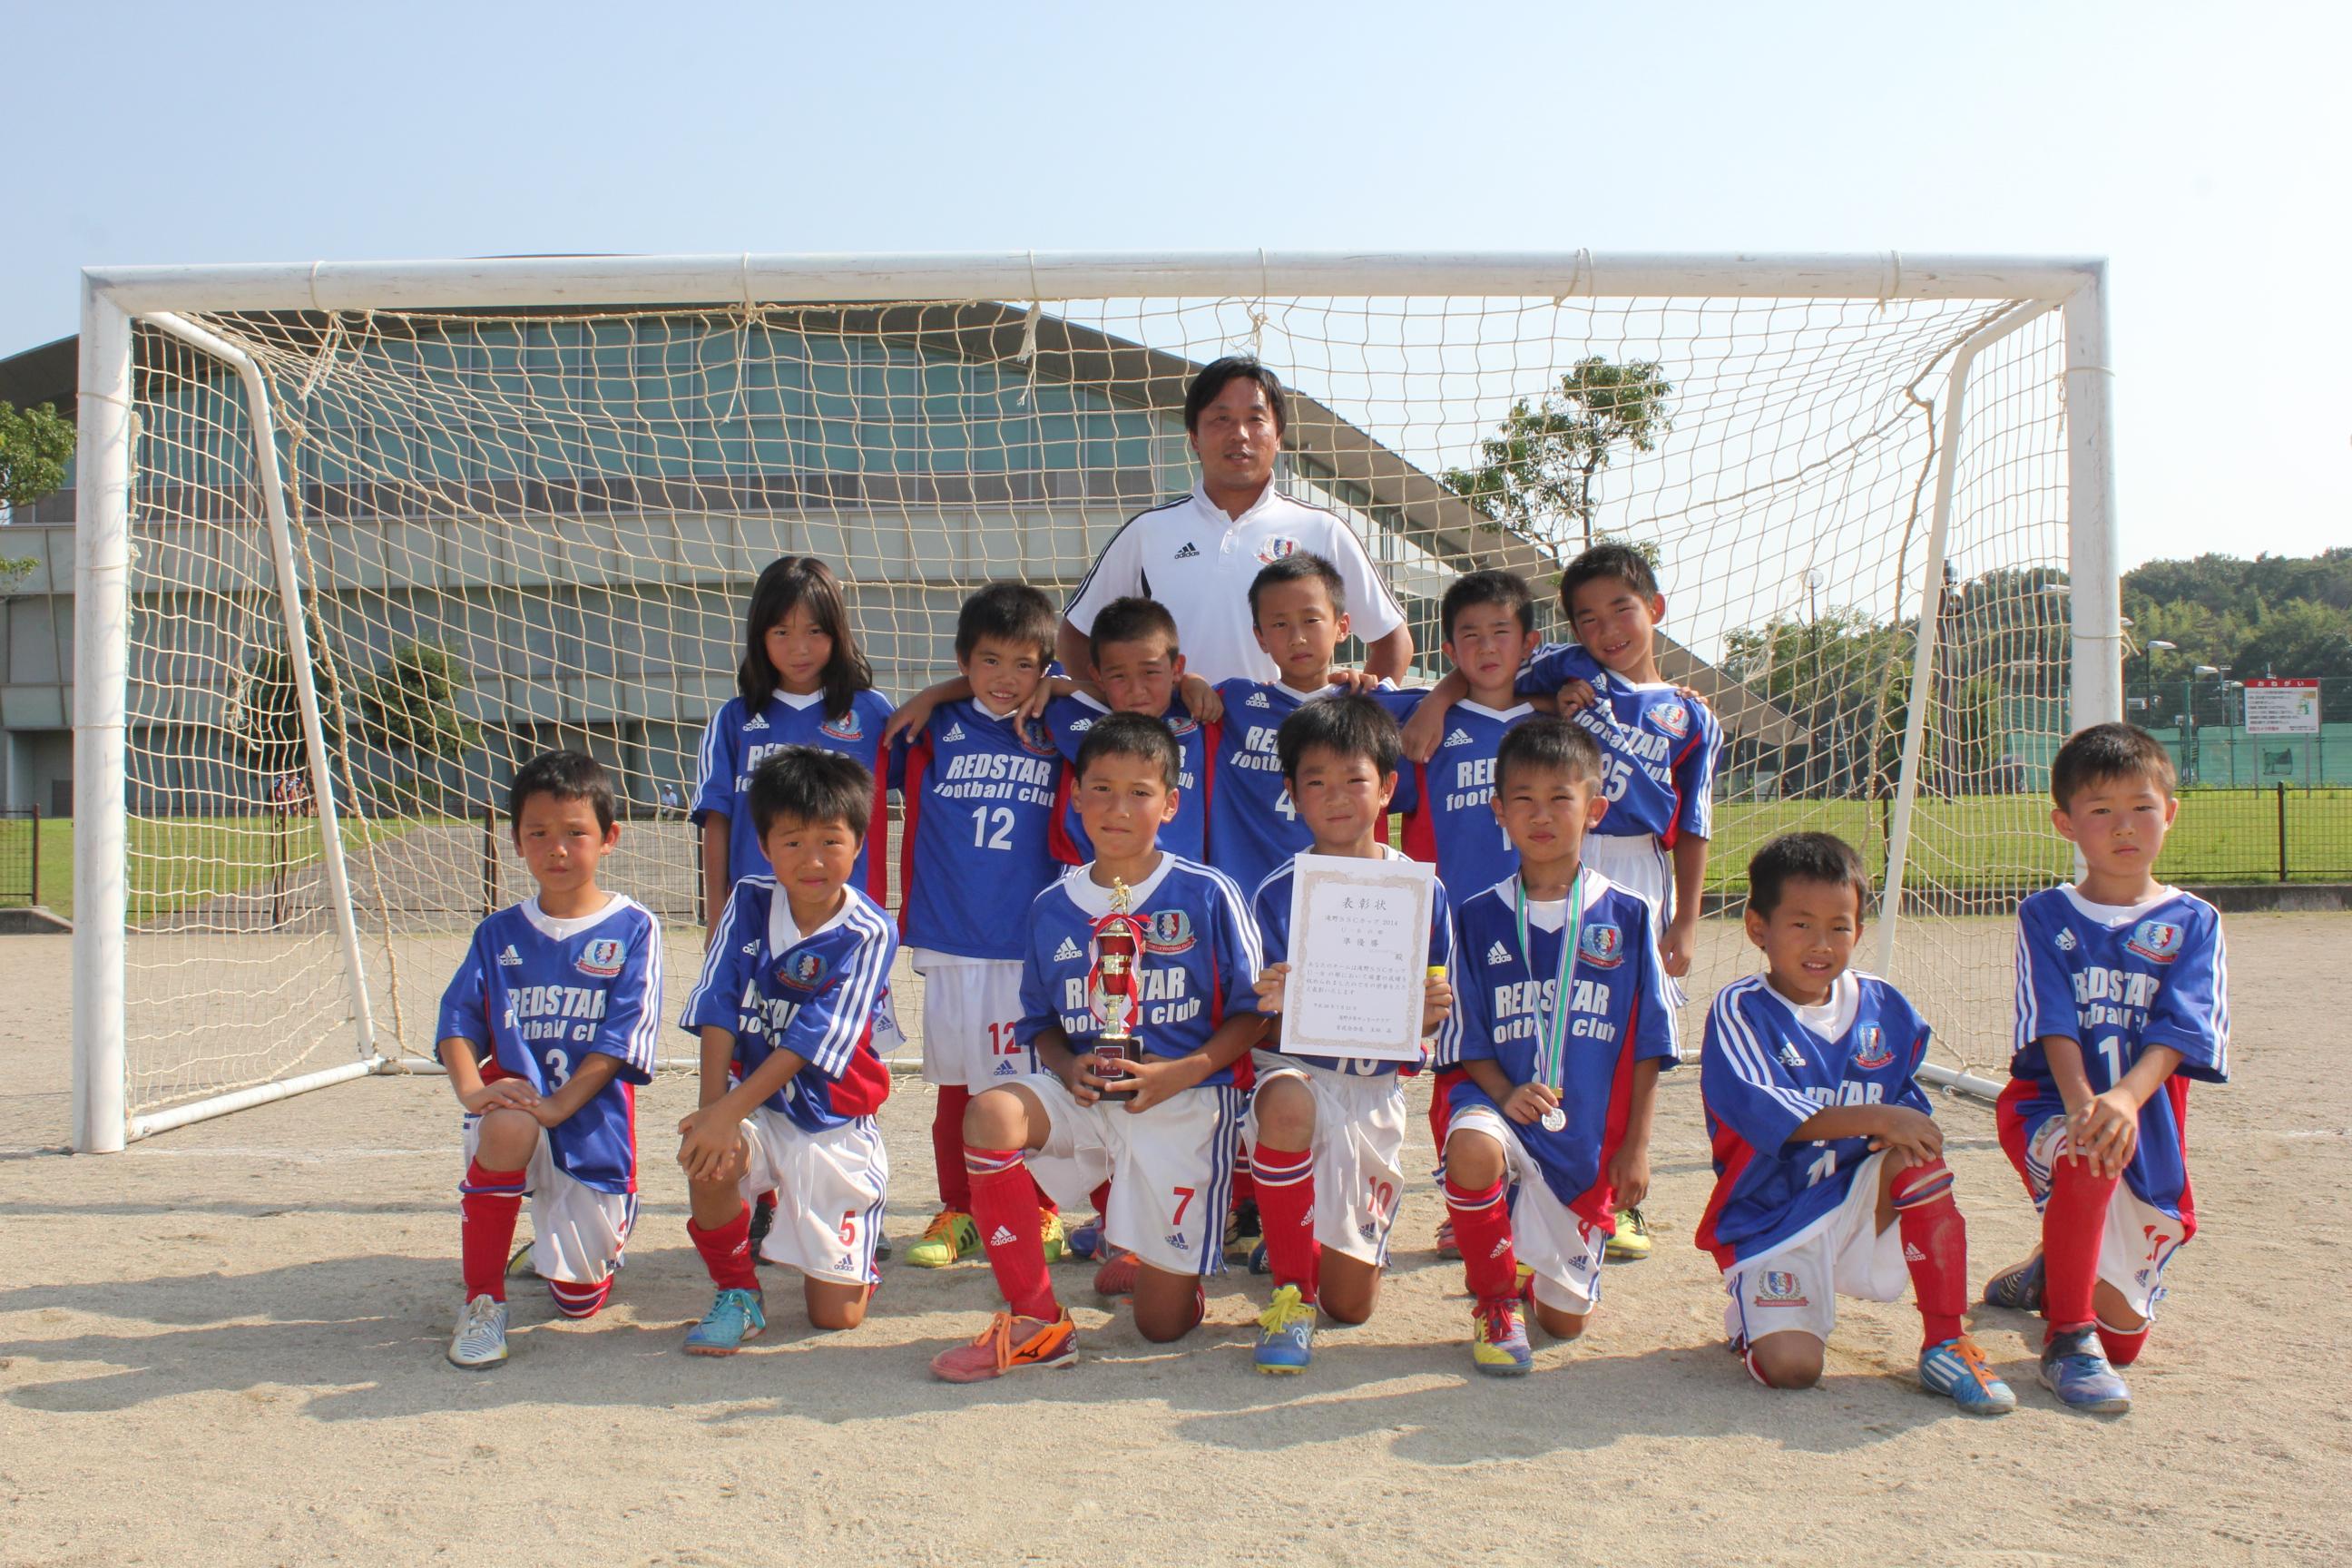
(1197, 556)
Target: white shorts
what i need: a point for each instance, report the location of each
(1637, 863)
(830, 1187)
(2140, 1239)
(577, 1232)
(1170, 1169)
(1359, 1123)
(1562, 1246)
(968, 1012)
(1796, 1284)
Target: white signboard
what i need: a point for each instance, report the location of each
(2282, 707)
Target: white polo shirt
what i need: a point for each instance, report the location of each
(1193, 558)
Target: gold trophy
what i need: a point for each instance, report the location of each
(1114, 989)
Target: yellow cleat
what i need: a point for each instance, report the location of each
(951, 1237)
(1632, 1242)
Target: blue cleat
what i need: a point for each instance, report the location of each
(1956, 1369)
(1084, 1242)
(734, 1316)
(2019, 1288)
(1286, 1333)
(2075, 1369)
(1257, 1262)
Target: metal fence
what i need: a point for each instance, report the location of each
(20, 856)
(2276, 833)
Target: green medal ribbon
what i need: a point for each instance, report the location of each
(1552, 1037)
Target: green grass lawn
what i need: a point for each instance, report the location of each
(175, 862)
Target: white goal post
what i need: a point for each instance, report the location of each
(339, 466)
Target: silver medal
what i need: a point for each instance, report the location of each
(1554, 1120)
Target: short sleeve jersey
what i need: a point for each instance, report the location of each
(1192, 557)
(1658, 748)
(1619, 1013)
(1199, 960)
(1252, 827)
(738, 739)
(1447, 802)
(535, 997)
(977, 843)
(1763, 1073)
(2118, 982)
(1187, 834)
(814, 994)
(1272, 904)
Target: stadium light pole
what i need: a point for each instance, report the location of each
(2148, 672)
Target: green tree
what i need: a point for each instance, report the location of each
(265, 713)
(1535, 475)
(408, 706)
(1840, 677)
(34, 444)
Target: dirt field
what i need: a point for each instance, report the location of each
(226, 1346)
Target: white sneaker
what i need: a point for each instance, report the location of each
(481, 1337)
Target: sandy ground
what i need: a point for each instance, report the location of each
(226, 1346)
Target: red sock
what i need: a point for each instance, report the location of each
(2074, 1226)
(1100, 1197)
(1440, 1106)
(489, 1204)
(1482, 1228)
(577, 1301)
(1245, 1179)
(2123, 1346)
(726, 1252)
(1285, 1207)
(1045, 1204)
(1004, 1206)
(1935, 1248)
(947, 1148)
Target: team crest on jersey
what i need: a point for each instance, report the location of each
(1037, 742)
(1673, 718)
(803, 971)
(2158, 941)
(2066, 942)
(1870, 1050)
(1778, 1287)
(1602, 946)
(1278, 548)
(1167, 930)
(848, 727)
(1182, 724)
(602, 958)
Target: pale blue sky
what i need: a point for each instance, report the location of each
(2203, 149)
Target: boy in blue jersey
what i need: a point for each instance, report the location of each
(2123, 997)
(1326, 1134)
(792, 988)
(978, 782)
(1561, 1024)
(1140, 669)
(547, 1029)
(1830, 1177)
(1168, 1152)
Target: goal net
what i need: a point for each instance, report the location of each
(518, 528)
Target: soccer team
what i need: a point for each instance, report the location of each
(1563, 794)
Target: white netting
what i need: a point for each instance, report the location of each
(539, 530)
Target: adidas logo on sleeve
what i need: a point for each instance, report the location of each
(1067, 950)
(1189, 551)
(1496, 955)
(510, 959)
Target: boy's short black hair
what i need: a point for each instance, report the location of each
(2107, 751)
(1133, 619)
(1552, 743)
(566, 775)
(1488, 587)
(813, 784)
(1352, 725)
(1007, 612)
(1299, 568)
(1135, 735)
(1805, 858)
(1623, 562)
(1218, 374)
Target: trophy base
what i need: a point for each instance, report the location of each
(1113, 1053)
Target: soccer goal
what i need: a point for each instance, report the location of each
(356, 539)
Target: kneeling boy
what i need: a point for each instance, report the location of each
(1830, 1175)
(1562, 1023)
(1168, 1152)
(546, 1030)
(798, 971)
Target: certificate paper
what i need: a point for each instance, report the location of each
(1358, 957)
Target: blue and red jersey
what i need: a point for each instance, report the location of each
(977, 844)
(738, 739)
(1252, 827)
(536, 995)
(1619, 1014)
(2118, 982)
(1658, 748)
(1447, 802)
(813, 994)
(1199, 960)
(1186, 833)
(1272, 907)
(1763, 1073)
